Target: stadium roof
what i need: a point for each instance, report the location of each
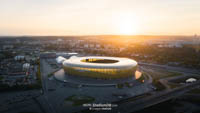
(120, 62)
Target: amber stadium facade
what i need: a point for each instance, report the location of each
(100, 67)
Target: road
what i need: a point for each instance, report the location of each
(45, 70)
(177, 69)
(129, 107)
(147, 76)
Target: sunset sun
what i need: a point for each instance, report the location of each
(126, 24)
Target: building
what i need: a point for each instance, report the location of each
(191, 80)
(100, 67)
(48, 55)
(60, 59)
(8, 46)
(65, 55)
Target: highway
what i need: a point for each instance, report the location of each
(136, 105)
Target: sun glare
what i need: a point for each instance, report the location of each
(126, 24)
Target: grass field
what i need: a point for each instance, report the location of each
(79, 100)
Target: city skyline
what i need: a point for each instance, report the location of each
(95, 17)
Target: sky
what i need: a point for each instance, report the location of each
(99, 17)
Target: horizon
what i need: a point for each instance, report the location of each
(93, 17)
(99, 35)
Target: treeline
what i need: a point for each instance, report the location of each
(185, 56)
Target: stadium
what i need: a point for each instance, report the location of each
(100, 67)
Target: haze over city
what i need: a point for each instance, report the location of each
(99, 56)
(99, 17)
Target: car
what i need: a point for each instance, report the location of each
(154, 88)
